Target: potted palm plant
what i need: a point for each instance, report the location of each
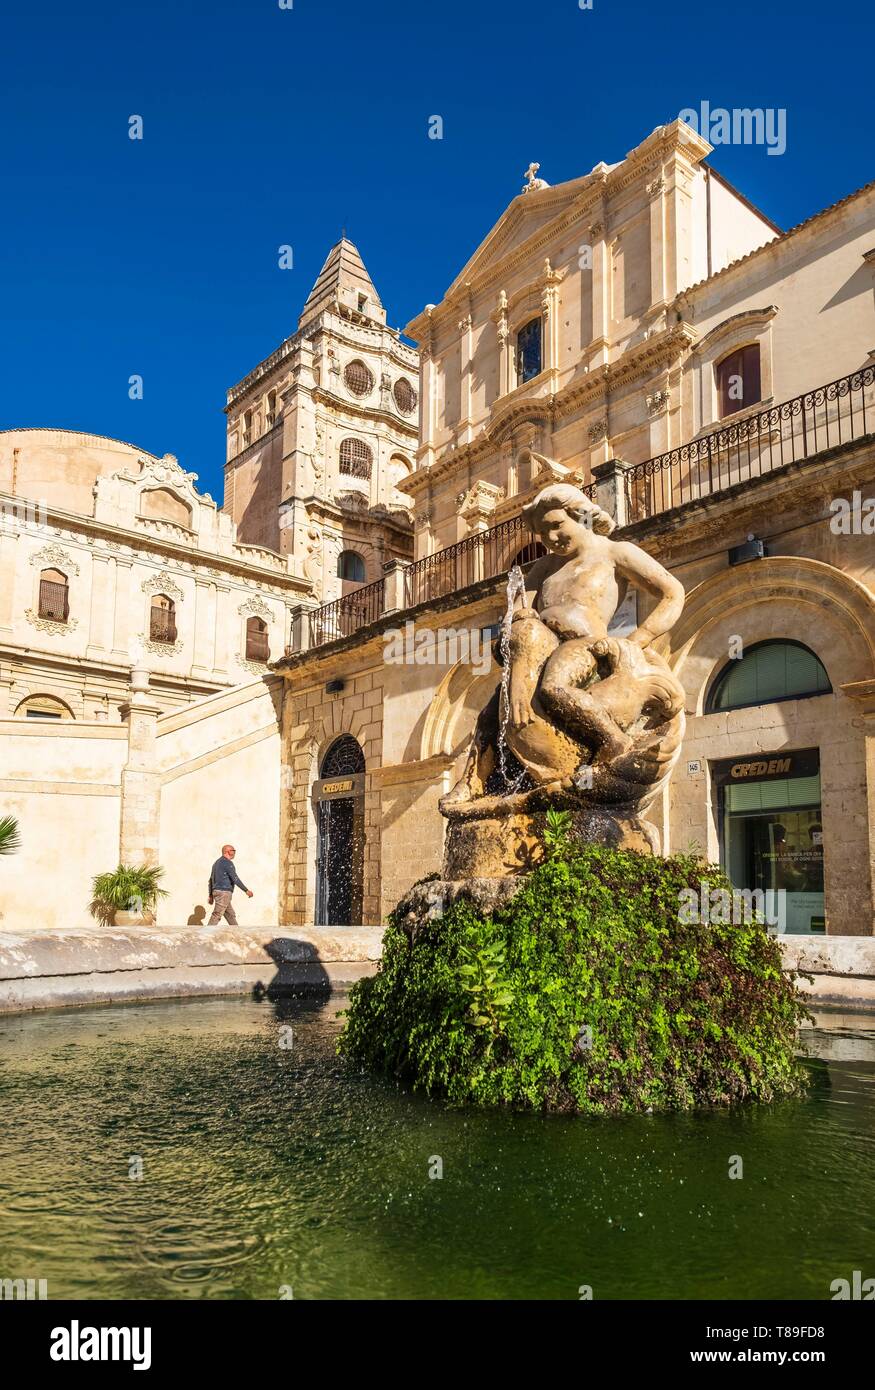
(128, 896)
(10, 838)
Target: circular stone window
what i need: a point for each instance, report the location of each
(358, 379)
(405, 396)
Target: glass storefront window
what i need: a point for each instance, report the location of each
(772, 835)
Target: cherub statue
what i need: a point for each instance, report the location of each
(579, 708)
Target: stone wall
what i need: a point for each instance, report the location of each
(168, 789)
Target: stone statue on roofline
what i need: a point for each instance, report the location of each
(585, 721)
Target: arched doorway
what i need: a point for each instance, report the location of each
(340, 805)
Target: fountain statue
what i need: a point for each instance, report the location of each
(553, 966)
(582, 720)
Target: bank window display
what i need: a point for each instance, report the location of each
(771, 834)
(768, 672)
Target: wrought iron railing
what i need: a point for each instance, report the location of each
(797, 429)
(346, 615)
(482, 556)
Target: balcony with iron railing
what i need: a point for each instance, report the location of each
(741, 452)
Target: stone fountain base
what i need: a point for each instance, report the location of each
(491, 847)
(487, 857)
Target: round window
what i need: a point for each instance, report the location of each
(358, 379)
(405, 396)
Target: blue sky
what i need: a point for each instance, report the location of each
(265, 127)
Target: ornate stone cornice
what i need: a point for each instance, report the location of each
(55, 557)
(255, 608)
(162, 583)
(408, 425)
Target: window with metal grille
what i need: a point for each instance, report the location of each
(162, 619)
(405, 396)
(257, 648)
(54, 596)
(356, 459)
(738, 379)
(344, 758)
(350, 565)
(528, 351)
(358, 379)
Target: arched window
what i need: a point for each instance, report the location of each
(162, 619)
(344, 758)
(351, 566)
(54, 596)
(768, 672)
(246, 435)
(738, 379)
(356, 459)
(271, 409)
(528, 351)
(533, 551)
(43, 707)
(257, 640)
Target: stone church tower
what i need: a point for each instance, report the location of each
(323, 433)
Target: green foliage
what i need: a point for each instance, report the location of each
(10, 836)
(557, 834)
(490, 1010)
(127, 889)
(483, 977)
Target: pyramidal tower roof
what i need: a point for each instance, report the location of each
(343, 286)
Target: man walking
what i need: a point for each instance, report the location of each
(223, 881)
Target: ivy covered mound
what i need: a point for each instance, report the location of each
(585, 993)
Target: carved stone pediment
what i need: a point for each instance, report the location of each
(162, 583)
(480, 501)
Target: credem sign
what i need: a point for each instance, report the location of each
(766, 766)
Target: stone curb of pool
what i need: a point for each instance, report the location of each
(87, 965)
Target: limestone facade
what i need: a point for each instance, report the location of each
(166, 788)
(322, 436)
(637, 281)
(95, 536)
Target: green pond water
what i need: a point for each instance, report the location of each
(269, 1167)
